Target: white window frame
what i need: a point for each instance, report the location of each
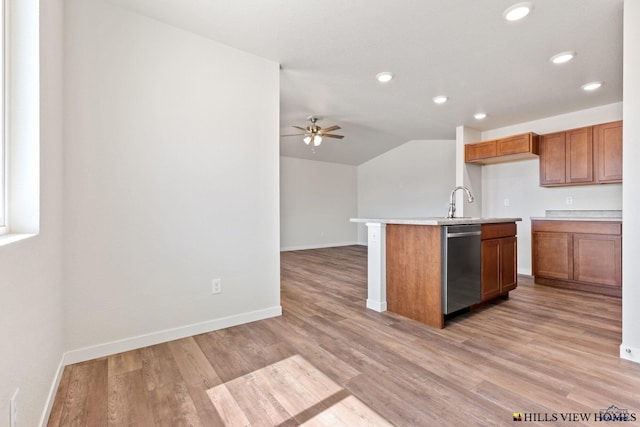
(4, 176)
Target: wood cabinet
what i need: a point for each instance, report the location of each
(588, 155)
(579, 156)
(414, 272)
(517, 147)
(414, 268)
(499, 260)
(584, 255)
(608, 151)
(553, 159)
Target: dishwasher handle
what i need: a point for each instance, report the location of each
(463, 234)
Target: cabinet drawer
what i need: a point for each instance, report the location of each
(496, 231)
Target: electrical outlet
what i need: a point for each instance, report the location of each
(216, 286)
(569, 200)
(507, 202)
(13, 409)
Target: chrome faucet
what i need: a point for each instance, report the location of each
(452, 200)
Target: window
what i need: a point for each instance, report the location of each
(3, 113)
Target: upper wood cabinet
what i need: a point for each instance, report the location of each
(553, 152)
(588, 155)
(608, 151)
(579, 156)
(517, 147)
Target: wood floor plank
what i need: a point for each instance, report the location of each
(172, 406)
(58, 406)
(228, 408)
(328, 360)
(256, 401)
(207, 413)
(128, 403)
(125, 362)
(193, 364)
(85, 399)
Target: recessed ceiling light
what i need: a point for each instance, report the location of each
(592, 86)
(563, 57)
(384, 77)
(480, 116)
(517, 11)
(440, 99)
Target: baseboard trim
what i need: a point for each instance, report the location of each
(114, 347)
(377, 305)
(629, 353)
(316, 246)
(44, 420)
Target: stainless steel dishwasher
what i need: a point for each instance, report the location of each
(461, 276)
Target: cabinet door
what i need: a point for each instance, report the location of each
(508, 264)
(514, 145)
(579, 155)
(553, 255)
(490, 269)
(479, 150)
(597, 258)
(553, 159)
(608, 148)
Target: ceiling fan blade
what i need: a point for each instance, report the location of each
(294, 134)
(330, 129)
(330, 135)
(298, 127)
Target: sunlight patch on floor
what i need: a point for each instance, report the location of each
(290, 390)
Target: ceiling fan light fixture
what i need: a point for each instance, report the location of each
(563, 57)
(440, 99)
(384, 77)
(592, 86)
(317, 140)
(307, 140)
(518, 11)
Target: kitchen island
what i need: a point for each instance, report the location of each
(405, 263)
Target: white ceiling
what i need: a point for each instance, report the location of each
(331, 50)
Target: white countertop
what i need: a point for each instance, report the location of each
(434, 220)
(576, 218)
(580, 215)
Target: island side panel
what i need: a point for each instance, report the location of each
(414, 277)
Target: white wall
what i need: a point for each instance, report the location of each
(30, 282)
(631, 177)
(468, 175)
(316, 201)
(413, 180)
(171, 179)
(519, 181)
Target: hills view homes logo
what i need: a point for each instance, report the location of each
(612, 413)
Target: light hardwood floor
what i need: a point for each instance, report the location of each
(329, 361)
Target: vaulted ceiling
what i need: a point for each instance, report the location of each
(331, 50)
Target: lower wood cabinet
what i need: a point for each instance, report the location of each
(585, 255)
(553, 255)
(499, 260)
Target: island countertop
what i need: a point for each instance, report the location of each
(434, 220)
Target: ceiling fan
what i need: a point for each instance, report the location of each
(314, 133)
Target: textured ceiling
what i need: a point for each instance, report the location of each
(331, 50)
